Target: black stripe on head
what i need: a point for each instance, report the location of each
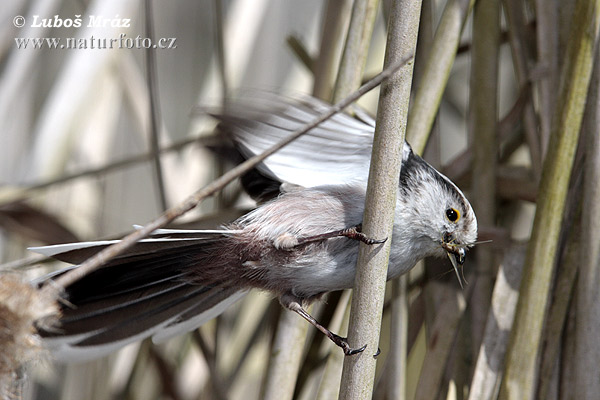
(412, 165)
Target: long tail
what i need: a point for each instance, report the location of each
(149, 291)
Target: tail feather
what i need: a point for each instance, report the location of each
(154, 316)
(196, 316)
(154, 289)
(76, 253)
(91, 316)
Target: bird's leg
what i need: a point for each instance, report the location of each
(287, 241)
(292, 303)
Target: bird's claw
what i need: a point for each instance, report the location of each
(377, 353)
(371, 241)
(343, 343)
(356, 234)
(350, 352)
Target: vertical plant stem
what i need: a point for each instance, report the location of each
(356, 49)
(222, 72)
(443, 333)
(396, 379)
(329, 387)
(587, 348)
(546, 13)
(519, 379)
(517, 38)
(483, 107)
(408, 27)
(154, 112)
(566, 378)
(286, 354)
(561, 299)
(367, 302)
(335, 26)
(493, 348)
(220, 49)
(435, 75)
(290, 329)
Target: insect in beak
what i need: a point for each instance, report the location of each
(457, 257)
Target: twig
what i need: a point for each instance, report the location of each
(495, 340)
(483, 105)
(356, 49)
(515, 21)
(26, 192)
(301, 53)
(286, 353)
(562, 297)
(329, 387)
(443, 332)
(267, 322)
(587, 349)
(154, 108)
(437, 70)
(209, 354)
(188, 204)
(398, 364)
(371, 270)
(220, 200)
(220, 49)
(165, 373)
(22, 263)
(547, 57)
(335, 23)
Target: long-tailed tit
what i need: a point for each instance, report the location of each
(298, 246)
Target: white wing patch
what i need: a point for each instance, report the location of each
(336, 152)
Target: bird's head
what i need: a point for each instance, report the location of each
(443, 217)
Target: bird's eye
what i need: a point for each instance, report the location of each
(452, 214)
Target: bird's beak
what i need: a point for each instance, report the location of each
(457, 257)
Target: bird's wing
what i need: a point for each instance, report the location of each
(336, 152)
(146, 292)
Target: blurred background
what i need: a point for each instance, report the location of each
(95, 140)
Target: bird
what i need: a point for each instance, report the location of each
(300, 242)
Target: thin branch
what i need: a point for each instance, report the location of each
(587, 350)
(220, 49)
(371, 271)
(561, 299)
(220, 391)
(397, 365)
(335, 26)
(329, 388)
(483, 107)
(443, 332)
(437, 70)
(165, 373)
(286, 353)
(547, 56)
(268, 320)
(154, 108)
(301, 53)
(490, 361)
(356, 49)
(517, 39)
(19, 194)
